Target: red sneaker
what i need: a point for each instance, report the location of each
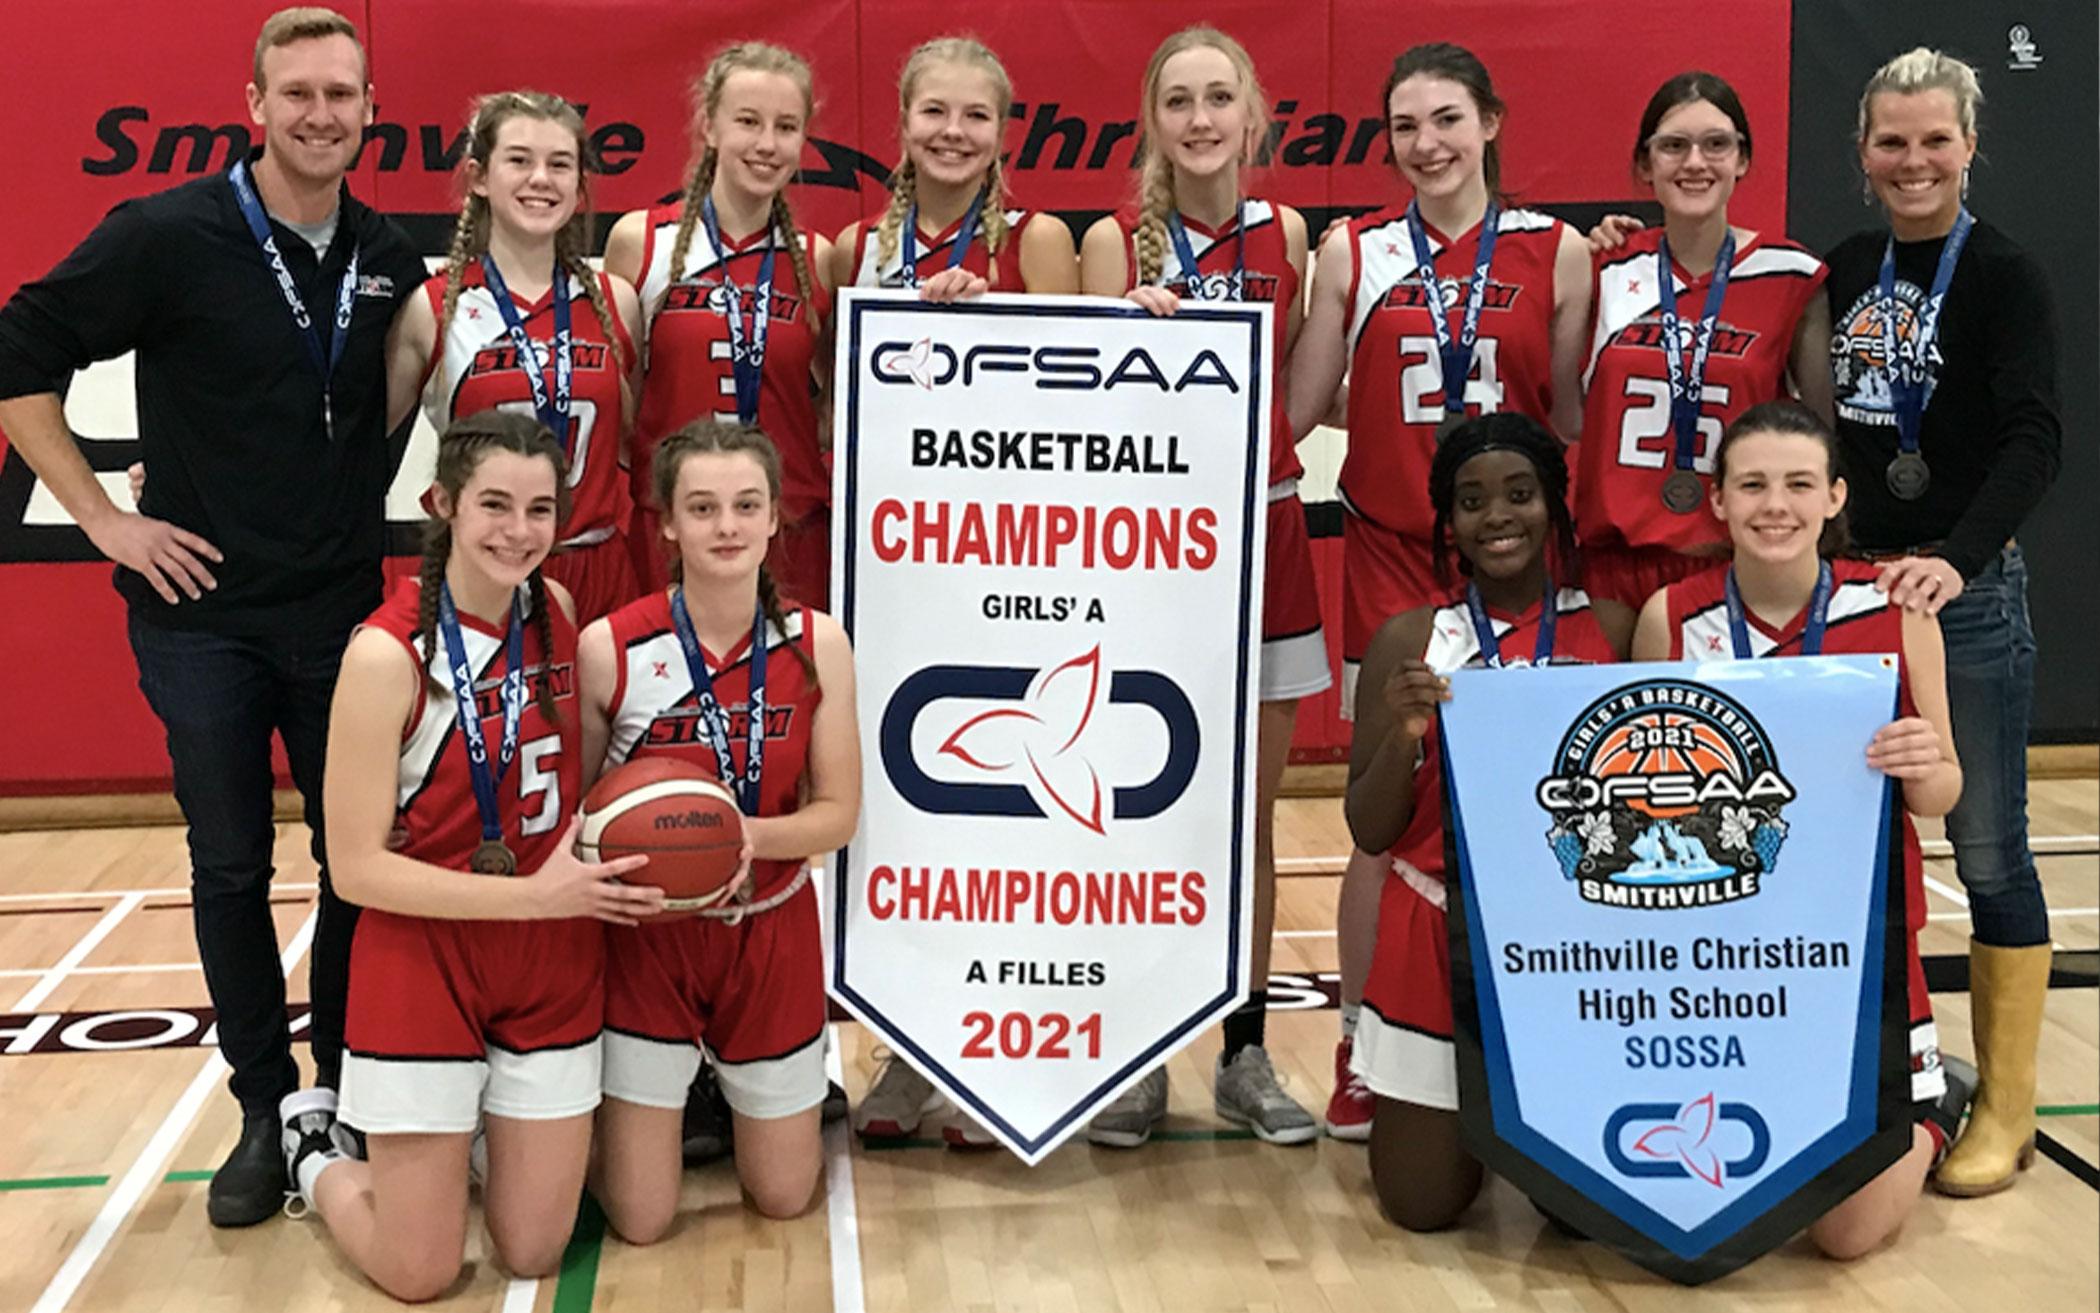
(1349, 1111)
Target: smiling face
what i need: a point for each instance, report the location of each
(1693, 159)
(533, 180)
(1202, 114)
(1438, 136)
(757, 128)
(1775, 493)
(1499, 518)
(953, 120)
(504, 520)
(722, 515)
(1914, 154)
(313, 106)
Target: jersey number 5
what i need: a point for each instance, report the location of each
(1422, 377)
(539, 776)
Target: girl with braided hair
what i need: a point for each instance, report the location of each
(681, 673)
(947, 229)
(1498, 496)
(477, 970)
(518, 320)
(735, 297)
(1197, 235)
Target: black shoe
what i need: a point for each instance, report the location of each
(1953, 1104)
(709, 1130)
(250, 1185)
(834, 1103)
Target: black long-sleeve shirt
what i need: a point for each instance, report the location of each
(1991, 433)
(229, 401)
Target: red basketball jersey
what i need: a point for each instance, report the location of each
(654, 712)
(1627, 446)
(1577, 640)
(1002, 271)
(475, 367)
(1396, 377)
(1271, 278)
(689, 371)
(435, 800)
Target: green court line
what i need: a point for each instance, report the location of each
(2068, 1110)
(53, 1182)
(579, 1262)
(202, 1174)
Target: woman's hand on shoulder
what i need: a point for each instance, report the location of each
(1612, 231)
(566, 887)
(1920, 583)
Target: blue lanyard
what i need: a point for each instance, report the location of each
(324, 360)
(714, 719)
(486, 780)
(1457, 357)
(1910, 381)
(1688, 385)
(553, 413)
(747, 356)
(1192, 281)
(956, 250)
(1811, 631)
(1484, 627)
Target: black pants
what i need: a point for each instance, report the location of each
(220, 699)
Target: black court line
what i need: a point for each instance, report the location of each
(2054, 1150)
(1948, 973)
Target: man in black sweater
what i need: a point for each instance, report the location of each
(257, 304)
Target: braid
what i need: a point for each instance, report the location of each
(695, 196)
(1155, 202)
(798, 254)
(769, 602)
(543, 627)
(580, 270)
(470, 237)
(902, 182)
(991, 217)
(437, 548)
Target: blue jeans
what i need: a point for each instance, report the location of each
(220, 699)
(1990, 695)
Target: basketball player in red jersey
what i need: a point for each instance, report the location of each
(1743, 331)
(1777, 490)
(734, 300)
(1197, 237)
(1525, 295)
(948, 229)
(518, 320)
(1498, 485)
(717, 670)
(477, 992)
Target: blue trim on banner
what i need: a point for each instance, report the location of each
(1255, 502)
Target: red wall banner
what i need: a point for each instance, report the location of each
(85, 133)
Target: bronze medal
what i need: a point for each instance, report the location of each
(1682, 492)
(1908, 476)
(492, 858)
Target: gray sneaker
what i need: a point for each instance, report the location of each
(1248, 1092)
(895, 1102)
(1128, 1120)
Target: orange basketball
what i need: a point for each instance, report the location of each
(679, 815)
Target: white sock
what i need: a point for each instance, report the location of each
(1349, 1015)
(310, 1169)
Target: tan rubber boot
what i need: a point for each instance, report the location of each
(2007, 987)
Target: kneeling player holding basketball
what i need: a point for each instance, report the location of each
(475, 998)
(1777, 489)
(1499, 488)
(716, 670)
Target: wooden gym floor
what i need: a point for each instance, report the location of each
(112, 1125)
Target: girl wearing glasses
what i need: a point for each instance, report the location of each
(1694, 323)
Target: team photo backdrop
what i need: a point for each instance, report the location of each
(105, 99)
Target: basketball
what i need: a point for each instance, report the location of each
(678, 815)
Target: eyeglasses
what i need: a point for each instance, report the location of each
(1713, 145)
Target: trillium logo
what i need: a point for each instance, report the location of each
(1669, 1140)
(1030, 741)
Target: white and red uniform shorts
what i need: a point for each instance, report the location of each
(1384, 574)
(1293, 646)
(598, 575)
(451, 1019)
(1632, 575)
(750, 994)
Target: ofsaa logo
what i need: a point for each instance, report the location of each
(1666, 1140)
(1666, 795)
(1034, 743)
(928, 364)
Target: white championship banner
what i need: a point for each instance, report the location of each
(1047, 547)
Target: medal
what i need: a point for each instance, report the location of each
(492, 858)
(1908, 476)
(1682, 492)
(1456, 356)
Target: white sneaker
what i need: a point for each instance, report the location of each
(1128, 1120)
(895, 1102)
(309, 1143)
(1249, 1092)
